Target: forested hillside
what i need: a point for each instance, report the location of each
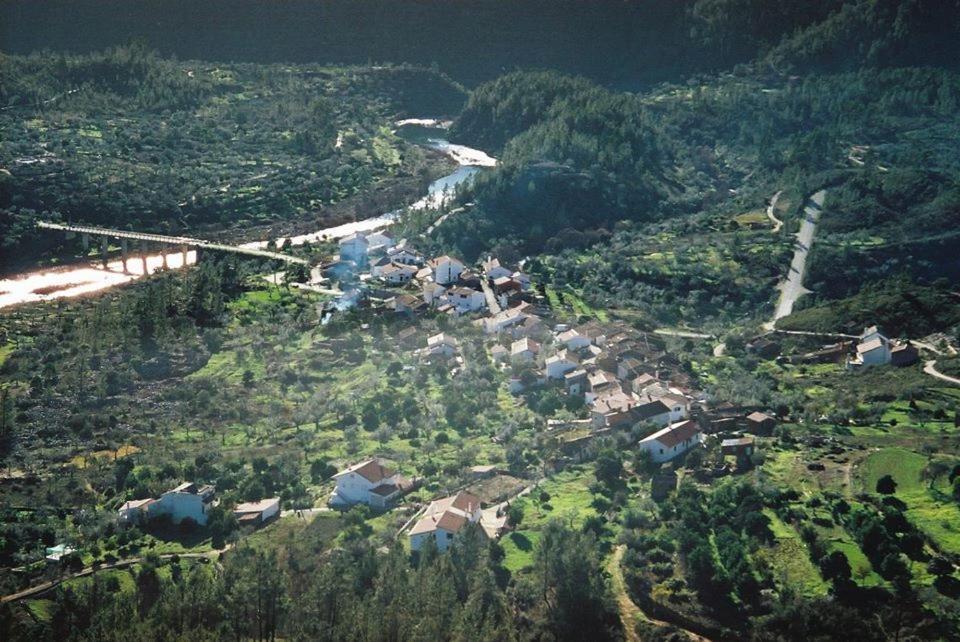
(124, 138)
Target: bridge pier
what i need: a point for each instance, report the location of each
(123, 255)
(185, 250)
(143, 256)
(163, 256)
(85, 241)
(104, 244)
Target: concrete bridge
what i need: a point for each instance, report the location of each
(185, 243)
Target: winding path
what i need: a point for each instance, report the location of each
(777, 223)
(930, 367)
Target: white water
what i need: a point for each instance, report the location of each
(75, 280)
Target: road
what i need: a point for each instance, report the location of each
(792, 288)
(930, 367)
(683, 334)
(90, 570)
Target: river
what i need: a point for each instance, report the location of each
(86, 278)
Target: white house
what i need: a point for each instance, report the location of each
(255, 513)
(874, 349)
(505, 319)
(187, 501)
(446, 270)
(433, 292)
(397, 273)
(354, 248)
(369, 482)
(525, 349)
(442, 344)
(560, 364)
(443, 519)
(493, 270)
(404, 255)
(466, 299)
(674, 440)
(654, 412)
(573, 340)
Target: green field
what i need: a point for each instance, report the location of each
(790, 560)
(933, 512)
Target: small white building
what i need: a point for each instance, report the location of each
(370, 483)
(256, 513)
(560, 364)
(874, 349)
(525, 349)
(443, 519)
(506, 319)
(493, 270)
(573, 340)
(674, 440)
(442, 344)
(135, 511)
(466, 299)
(446, 270)
(404, 255)
(354, 248)
(397, 273)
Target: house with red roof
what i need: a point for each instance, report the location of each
(672, 441)
(444, 519)
(369, 482)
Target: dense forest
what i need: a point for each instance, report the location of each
(629, 44)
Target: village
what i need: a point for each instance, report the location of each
(620, 381)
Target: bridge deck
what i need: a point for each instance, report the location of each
(171, 240)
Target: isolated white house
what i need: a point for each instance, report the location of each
(672, 441)
(354, 248)
(369, 482)
(187, 501)
(874, 348)
(443, 519)
(446, 270)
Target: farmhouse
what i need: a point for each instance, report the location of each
(573, 340)
(256, 513)
(187, 501)
(560, 364)
(370, 483)
(466, 299)
(672, 441)
(443, 519)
